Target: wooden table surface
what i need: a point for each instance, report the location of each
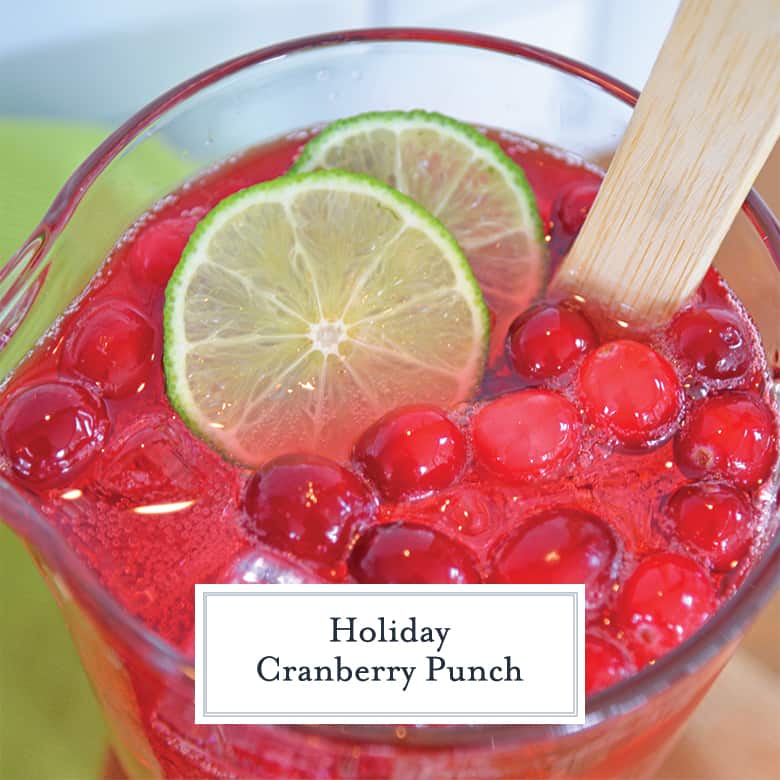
(735, 732)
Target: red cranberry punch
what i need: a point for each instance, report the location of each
(177, 410)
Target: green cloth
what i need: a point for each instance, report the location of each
(50, 725)
(36, 157)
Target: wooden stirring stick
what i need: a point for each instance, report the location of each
(703, 127)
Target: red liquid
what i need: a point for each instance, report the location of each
(591, 495)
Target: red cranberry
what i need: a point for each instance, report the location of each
(713, 291)
(663, 602)
(306, 505)
(158, 247)
(568, 214)
(51, 431)
(730, 436)
(412, 450)
(548, 340)
(712, 342)
(606, 663)
(533, 433)
(558, 546)
(630, 390)
(410, 554)
(113, 346)
(713, 520)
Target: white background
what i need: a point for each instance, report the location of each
(98, 60)
(536, 625)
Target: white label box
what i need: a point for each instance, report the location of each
(389, 654)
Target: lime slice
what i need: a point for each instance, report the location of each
(306, 307)
(461, 177)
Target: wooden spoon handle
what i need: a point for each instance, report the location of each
(703, 127)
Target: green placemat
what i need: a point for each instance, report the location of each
(50, 725)
(36, 157)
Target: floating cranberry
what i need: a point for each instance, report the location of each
(412, 451)
(711, 342)
(112, 346)
(713, 520)
(606, 663)
(712, 291)
(630, 390)
(568, 214)
(560, 545)
(409, 553)
(730, 436)
(663, 602)
(51, 431)
(158, 248)
(306, 505)
(547, 340)
(533, 433)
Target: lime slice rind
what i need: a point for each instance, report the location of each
(260, 352)
(315, 151)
